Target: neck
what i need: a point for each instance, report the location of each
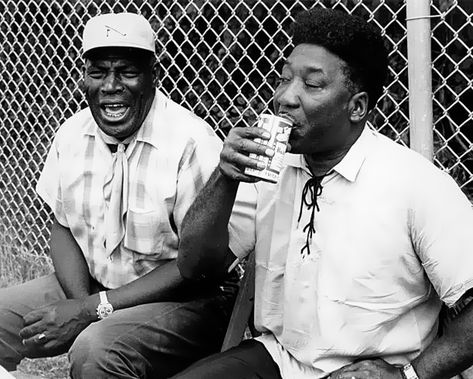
(321, 163)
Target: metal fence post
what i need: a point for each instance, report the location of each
(420, 76)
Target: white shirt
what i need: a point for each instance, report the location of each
(169, 161)
(392, 232)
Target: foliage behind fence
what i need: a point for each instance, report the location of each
(218, 58)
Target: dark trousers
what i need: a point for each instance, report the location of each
(249, 360)
(153, 340)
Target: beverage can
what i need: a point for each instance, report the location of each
(280, 129)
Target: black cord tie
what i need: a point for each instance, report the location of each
(313, 188)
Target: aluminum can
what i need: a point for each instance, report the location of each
(280, 129)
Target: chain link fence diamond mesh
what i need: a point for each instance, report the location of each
(219, 59)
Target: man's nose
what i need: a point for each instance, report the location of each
(112, 83)
(288, 95)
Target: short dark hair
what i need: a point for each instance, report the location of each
(355, 41)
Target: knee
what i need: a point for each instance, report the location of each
(87, 354)
(98, 353)
(11, 349)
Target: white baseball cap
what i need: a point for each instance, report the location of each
(118, 30)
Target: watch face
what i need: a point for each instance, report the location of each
(104, 310)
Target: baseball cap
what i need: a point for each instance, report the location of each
(118, 30)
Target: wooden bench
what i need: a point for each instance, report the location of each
(241, 319)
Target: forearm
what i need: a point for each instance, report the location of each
(62, 321)
(203, 248)
(450, 354)
(69, 263)
(164, 283)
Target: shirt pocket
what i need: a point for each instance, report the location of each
(146, 233)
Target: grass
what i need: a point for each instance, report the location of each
(53, 368)
(17, 266)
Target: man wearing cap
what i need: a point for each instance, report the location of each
(119, 178)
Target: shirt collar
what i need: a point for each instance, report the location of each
(351, 163)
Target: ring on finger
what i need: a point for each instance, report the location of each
(41, 336)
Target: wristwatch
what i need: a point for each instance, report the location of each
(408, 372)
(104, 309)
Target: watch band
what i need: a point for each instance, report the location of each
(104, 309)
(408, 372)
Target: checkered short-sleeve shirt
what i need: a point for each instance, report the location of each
(170, 159)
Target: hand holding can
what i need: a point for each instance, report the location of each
(280, 129)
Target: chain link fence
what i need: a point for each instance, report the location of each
(219, 59)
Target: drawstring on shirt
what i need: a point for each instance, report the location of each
(313, 188)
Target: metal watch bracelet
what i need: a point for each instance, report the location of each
(408, 372)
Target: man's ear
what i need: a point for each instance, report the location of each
(81, 80)
(358, 107)
(156, 70)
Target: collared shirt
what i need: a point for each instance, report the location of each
(170, 159)
(393, 238)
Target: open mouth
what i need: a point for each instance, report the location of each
(114, 112)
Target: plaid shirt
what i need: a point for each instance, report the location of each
(169, 161)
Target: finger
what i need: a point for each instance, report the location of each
(31, 330)
(248, 140)
(237, 174)
(241, 161)
(250, 132)
(37, 339)
(246, 178)
(32, 317)
(247, 147)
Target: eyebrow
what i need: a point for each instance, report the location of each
(99, 63)
(310, 69)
